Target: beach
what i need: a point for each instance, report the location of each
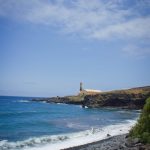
(115, 142)
(121, 142)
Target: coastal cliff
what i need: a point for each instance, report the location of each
(129, 99)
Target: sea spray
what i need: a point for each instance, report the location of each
(56, 142)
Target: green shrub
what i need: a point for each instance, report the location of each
(142, 128)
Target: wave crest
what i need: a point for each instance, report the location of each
(23, 101)
(68, 140)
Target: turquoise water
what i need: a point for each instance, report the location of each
(21, 119)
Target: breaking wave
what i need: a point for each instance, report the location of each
(23, 101)
(56, 142)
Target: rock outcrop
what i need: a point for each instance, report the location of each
(77, 100)
(129, 99)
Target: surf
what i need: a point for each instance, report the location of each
(61, 141)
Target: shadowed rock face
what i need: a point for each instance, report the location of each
(131, 98)
(77, 100)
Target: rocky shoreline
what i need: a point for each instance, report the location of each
(119, 142)
(127, 99)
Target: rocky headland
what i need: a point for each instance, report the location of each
(133, 98)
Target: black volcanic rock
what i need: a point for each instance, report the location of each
(67, 100)
(130, 99)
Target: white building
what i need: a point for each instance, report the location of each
(88, 91)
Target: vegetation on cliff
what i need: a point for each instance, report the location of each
(142, 128)
(130, 98)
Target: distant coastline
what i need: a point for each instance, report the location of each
(133, 98)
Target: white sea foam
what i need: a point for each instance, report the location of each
(23, 101)
(43, 102)
(77, 125)
(3, 143)
(57, 142)
(88, 136)
(62, 104)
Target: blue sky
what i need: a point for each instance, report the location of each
(48, 46)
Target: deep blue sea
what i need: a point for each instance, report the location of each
(25, 124)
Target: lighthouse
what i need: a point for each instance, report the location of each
(81, 86)
(88, 91)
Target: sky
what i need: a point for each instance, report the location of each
(47, 47)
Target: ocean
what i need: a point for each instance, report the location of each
(29, 125)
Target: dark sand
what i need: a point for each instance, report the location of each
(120, 142)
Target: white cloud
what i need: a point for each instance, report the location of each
(137, 28)
(137, 51)
(96, 19)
